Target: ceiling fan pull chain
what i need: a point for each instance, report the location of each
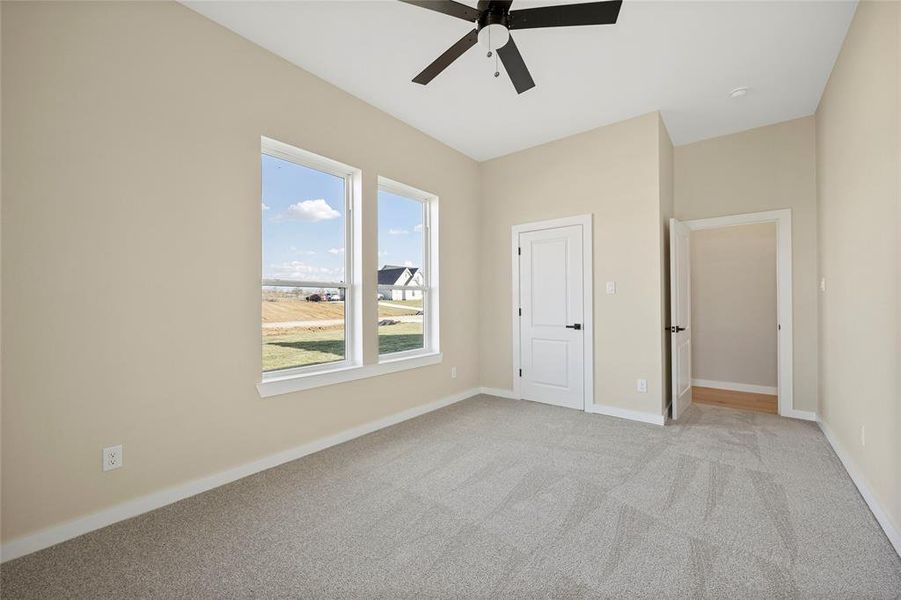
(490, 53)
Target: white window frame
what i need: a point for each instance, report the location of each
(353, 355)
(429, 288)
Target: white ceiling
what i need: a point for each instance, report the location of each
(679, 57)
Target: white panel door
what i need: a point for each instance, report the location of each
(680, 315)
(551, 298)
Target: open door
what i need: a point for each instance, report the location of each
(680, 315)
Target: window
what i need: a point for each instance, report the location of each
(312, 292)
(407, 294)
(308, 234)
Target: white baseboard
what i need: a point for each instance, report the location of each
(736, 387)
(805, 415)
(894, 536)
(623, 413)
(499, 392)
(132, 508)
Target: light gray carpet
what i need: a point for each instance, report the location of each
(494, 498)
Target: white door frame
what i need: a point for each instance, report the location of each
(587, 302)
(784, 336)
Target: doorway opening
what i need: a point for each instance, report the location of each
(733, 316)
(731, 324)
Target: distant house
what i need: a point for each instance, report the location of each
(391, 275)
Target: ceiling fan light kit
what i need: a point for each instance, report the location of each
(494, 20)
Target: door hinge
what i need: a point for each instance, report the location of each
(519, 251)
(520, 372)
(520, 312)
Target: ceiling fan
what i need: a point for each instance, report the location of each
(494, 20)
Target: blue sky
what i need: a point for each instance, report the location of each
(303, 224)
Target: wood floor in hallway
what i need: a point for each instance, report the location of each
(764, 403)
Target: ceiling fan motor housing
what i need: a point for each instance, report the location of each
(493, 31)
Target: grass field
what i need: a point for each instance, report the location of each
(411, 303)
(279, 307)
(284, 348)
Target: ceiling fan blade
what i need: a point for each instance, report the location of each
(448, 7)
(450, 55)
(516, 67)
(591, 13)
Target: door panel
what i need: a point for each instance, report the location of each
(548, 268)
(551, 298)
(683, 360)
(680, 316)
(550, 363)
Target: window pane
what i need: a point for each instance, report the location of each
(400, 238)
(302, 327)
(401, 245)
(401, 323)
(303, 222)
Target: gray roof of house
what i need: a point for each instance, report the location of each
(389, 274)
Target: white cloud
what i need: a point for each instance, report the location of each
(418, 228)
(296, 270)
(408, 263)
(264, 205)
(310, 211)
(336, 250)
(398, 232)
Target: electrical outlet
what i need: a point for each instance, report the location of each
(863, 436)
(823, 284)
(453, 372)
(112, 458)
(611, 287)
(642, 386)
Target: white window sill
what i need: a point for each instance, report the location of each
(294, 383)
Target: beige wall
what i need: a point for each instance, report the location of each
(733, 304)
(1, 268)
(131, 252)
(612, 174)
(858, 184)
(768, 168)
